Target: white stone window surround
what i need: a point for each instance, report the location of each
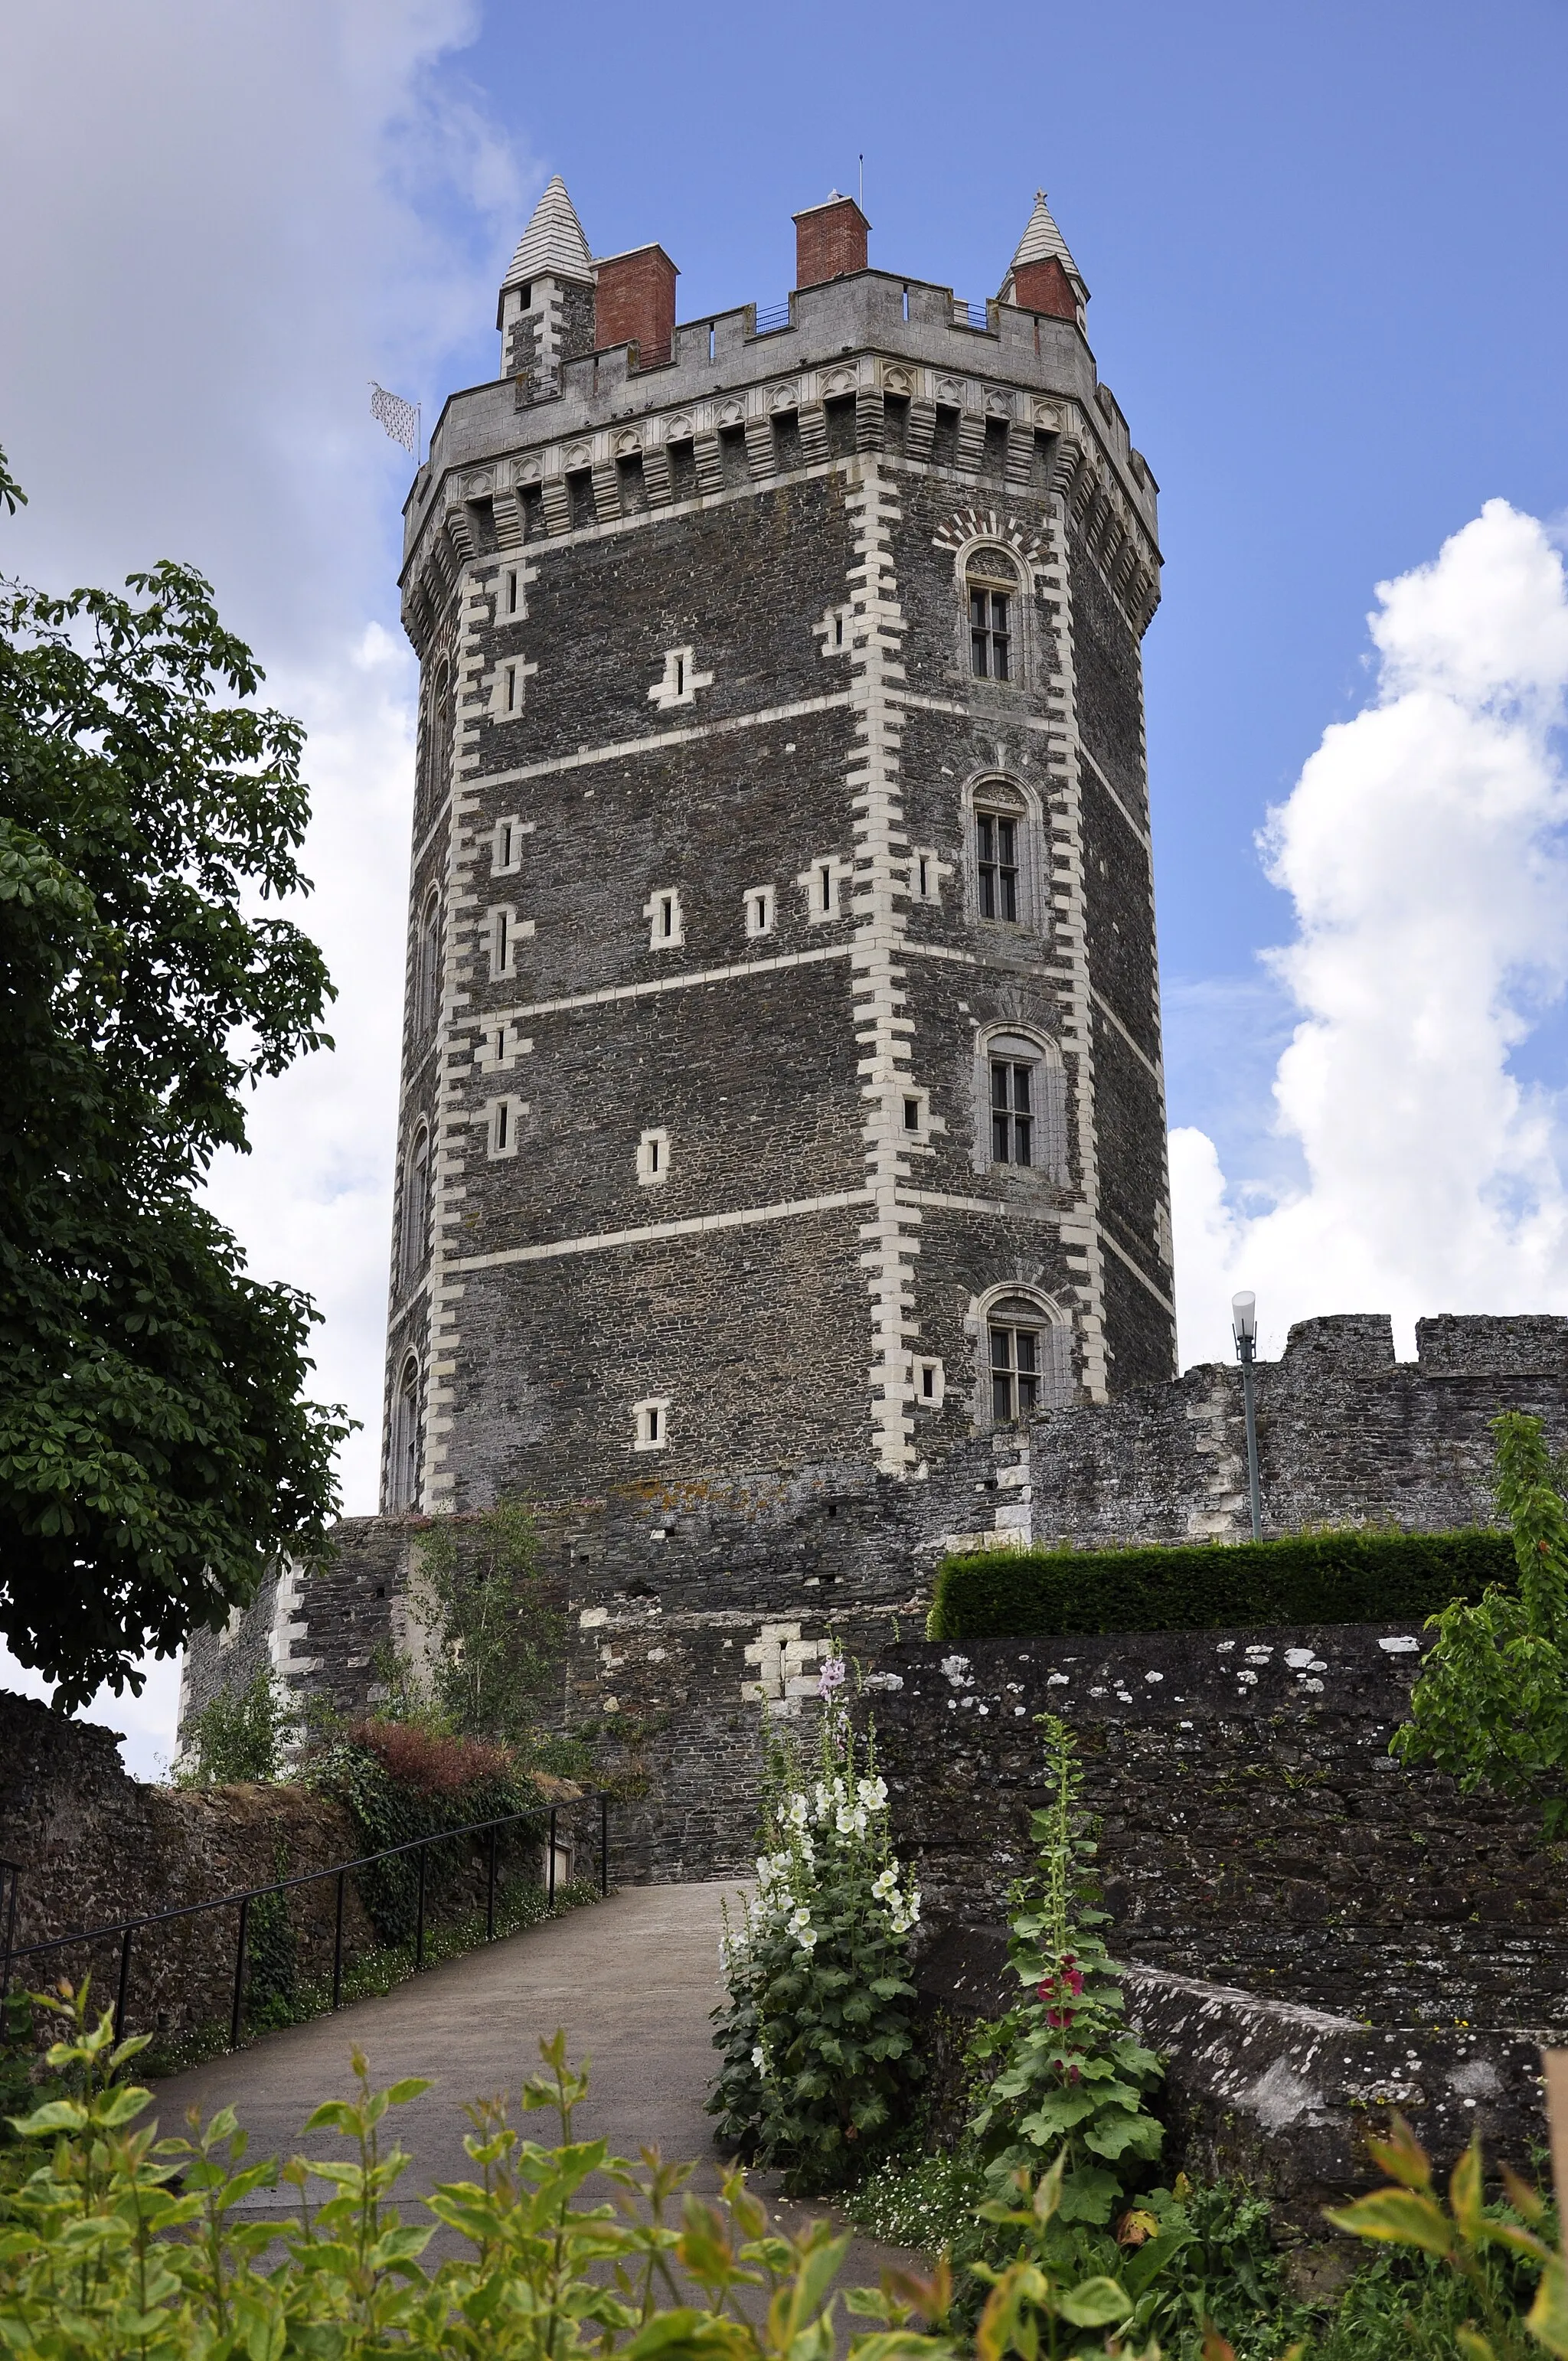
(512, 593)
(928, 1382)
(1025, 1044)
(666, 920)
(505, 844)
(504, 931)
(680, 681)
(825, 883)
(502, 1119)
(500, 1046)
(1009, 797)
(413, 1221)
(1041, 1312)
(928, 872)
(402, 1439)
(650, 1422)
(999, 563)
(835, 630)
(760, 905)
(654, 1159)
(427, 964)
(508, 684)
(911, 1114)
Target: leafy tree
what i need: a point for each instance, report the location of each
(1492, 1700)
(155, 1448)
(496, 1635)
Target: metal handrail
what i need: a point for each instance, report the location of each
(771, 316)
(126, 1929)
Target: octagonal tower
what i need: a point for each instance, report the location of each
(781, 1071)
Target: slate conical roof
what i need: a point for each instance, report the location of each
(553, 246)
(1040, 241)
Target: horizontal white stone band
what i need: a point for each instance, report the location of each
(655, 743)
(695, 1226)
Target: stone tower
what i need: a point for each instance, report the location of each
(781, 1073)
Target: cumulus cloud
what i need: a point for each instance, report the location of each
(223, 222)
(1423, 849)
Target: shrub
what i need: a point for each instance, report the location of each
(1492, 1700)
(1070, 2080)
(399, 1781)
(1358, 1577)
(239, 1735)
(816, 2033)
(122, 2243)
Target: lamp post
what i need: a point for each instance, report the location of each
(1244, 1326)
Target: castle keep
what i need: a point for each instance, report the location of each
(782, 1078)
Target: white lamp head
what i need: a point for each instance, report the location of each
(1244, 1317)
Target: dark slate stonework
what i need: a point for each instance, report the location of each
(1255, 1829)
(740, 649)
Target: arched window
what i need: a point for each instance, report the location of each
(1023, 1120)
(1005, 855)
(1026, 1356)
(427, 967)
(416, 1209)
(435, 739)
(402, 1453)
(991, 583)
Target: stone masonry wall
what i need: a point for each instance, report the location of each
(94, 1846)
(690, 1603)
(1255, 1831)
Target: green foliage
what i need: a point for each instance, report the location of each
(155, 1447)
(122, 2243)
(816, 2033)
(1068, 2078)
(496, 1635)
(1462, 2237)
(240, 1734)
(1355, 1577)
(1492, 1701)
(399, 1782)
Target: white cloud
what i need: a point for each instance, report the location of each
(1423, 849)
(222, 222)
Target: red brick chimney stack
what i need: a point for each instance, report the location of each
(1045, 287)
(830, 241)
(634, 300)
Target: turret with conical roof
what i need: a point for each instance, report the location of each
(1042, 275)
(545, 309)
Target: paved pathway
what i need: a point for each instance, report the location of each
(631, 1980)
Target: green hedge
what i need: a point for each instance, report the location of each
(1334, 1577)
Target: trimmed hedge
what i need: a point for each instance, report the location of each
(1333, 1578)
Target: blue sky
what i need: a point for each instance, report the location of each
(1327, 254)
(1326, 247)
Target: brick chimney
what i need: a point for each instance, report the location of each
(830, 241)
(1045, 287)
(634, 300)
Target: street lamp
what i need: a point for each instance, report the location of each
(1244, 1326)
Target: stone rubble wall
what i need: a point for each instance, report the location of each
(94, 1846)
(1254, 1829)
(1281, 2096)
(691, 1604)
